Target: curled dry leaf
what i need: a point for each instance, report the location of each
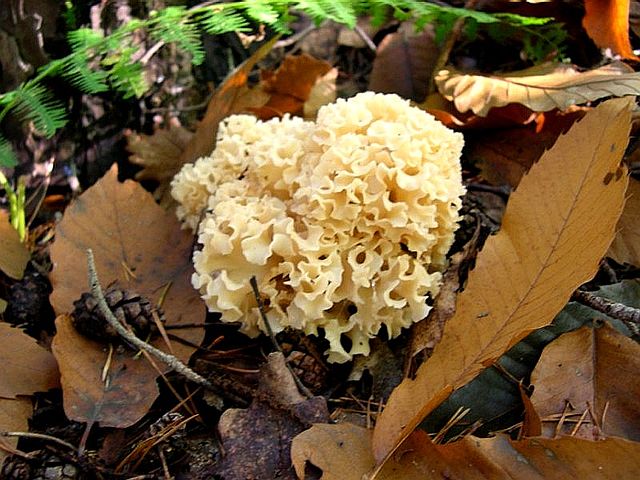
(607, 23)
(14, 417)
(557, 226)
(139, 245)
(626, 246)
(289, 87)
(343, 452)
(27, 367)
(14, 256)
(540, 88)
(589, 370)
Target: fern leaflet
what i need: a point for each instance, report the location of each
(34, 103)
(174, 26)
(7, 156)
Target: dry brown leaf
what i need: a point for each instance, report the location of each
(139, 245)
(607, 23)
(14, 256)
(592, 370)
(14, 417)
(119, 399)
(257, 440)
(233, 96)
(159, 155)
(26, 366)
(626, 246)
(505, 155)
(343, 452)
(557, 226)
(290, 85)
(540, 88)
(404, 62)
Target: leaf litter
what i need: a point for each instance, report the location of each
(558, 225)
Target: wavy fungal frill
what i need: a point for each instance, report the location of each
(345, 221)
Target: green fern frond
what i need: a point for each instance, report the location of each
(79, 73)
(174, 26)
(126, 76)
(262, 11)
(34, 103)
(97, 62)
(7, 156)
(84, 38)
(341, 11)
(217, 22)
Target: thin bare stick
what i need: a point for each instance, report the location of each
(628, 315)
(39, 436)
(276, 345)
(171, 361)
(365, 38)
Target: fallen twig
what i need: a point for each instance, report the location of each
(628, 315)
(39, 436)
(171, 361)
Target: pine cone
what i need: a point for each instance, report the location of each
(131, 309)
(15, 468)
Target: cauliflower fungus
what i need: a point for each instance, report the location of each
(345, 222)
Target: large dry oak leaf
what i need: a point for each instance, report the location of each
(142, 248)
(556, 228)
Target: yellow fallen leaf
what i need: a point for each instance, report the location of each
(590, 368)
(540, 88)
(343, 452)
(27, 367)
(557, 226)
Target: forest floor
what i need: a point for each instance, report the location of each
(89, 405)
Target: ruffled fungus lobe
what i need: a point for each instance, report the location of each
(345, 222)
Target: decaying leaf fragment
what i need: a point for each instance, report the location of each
(587, 375)
(343, 452)
(557, 226)
(540, 88)
(290, 86)
(112, 387)
(142, 247)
